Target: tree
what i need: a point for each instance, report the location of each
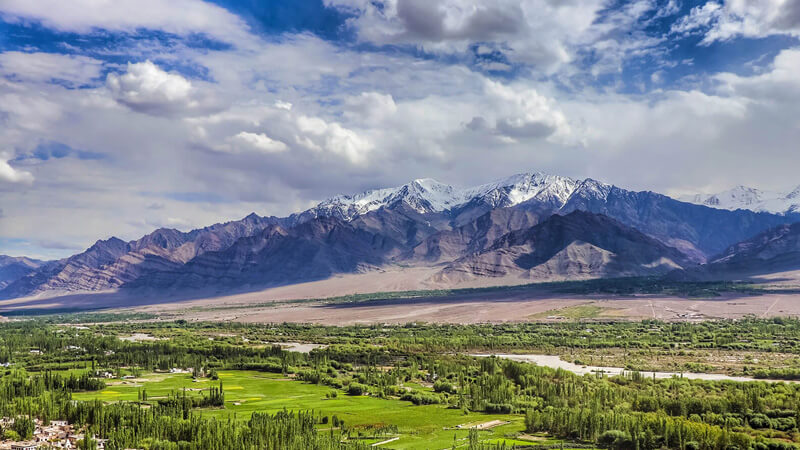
(24, 426)
(87, 443)
(615, 439)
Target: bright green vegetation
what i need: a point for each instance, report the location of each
(247, 392)
(370, 384)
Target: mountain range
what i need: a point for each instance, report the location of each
(743, 197)
(529, 227)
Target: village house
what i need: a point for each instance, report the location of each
(56, 434)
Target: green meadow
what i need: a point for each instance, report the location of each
(426, 426)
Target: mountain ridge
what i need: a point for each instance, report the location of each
(421, 223)
(577, 245)
(13, 268)
(744, 197)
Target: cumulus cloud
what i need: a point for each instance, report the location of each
(778, 84)
(733, 18)
(522, 114)
(370, 106)
(537, 32)
(148, 89)
(440, 21)
(40, 67)
(319, 135)
(257, 142)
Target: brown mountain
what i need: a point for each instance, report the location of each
(111, 263)
(578, 245)
(315, 249)
(774, 250)
(477, 234)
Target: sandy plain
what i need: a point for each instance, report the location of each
(305, 303)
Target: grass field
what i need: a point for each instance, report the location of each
(430, 426)
(578, 312)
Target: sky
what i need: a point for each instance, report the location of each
(120, 117)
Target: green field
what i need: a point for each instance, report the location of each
(577, 312)
(429, 426)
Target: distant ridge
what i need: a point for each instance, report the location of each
(743, 197)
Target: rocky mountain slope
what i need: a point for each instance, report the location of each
(777, 249)
(312, 250)
(113, 262)
(13, 268)
(574, 246)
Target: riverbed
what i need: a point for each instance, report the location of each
(555, 362)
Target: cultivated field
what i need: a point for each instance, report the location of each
(426, 426)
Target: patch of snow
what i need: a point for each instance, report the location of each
(743, 197)
(427, 195)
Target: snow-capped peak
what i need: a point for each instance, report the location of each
(522, 187)
(744, 197)
(427, 195)
(794, 195)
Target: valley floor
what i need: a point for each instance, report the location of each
(403, 296)
(506, 308)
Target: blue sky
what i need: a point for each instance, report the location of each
(125, 116)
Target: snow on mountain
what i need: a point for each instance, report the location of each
(427, 195)
(743, 197)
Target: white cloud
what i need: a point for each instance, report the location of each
(180, 17)
(147, 88)
(8, 174)
(538, 32)
(258, 142)
(370, 106)
(699, 17)
(45, 67)
(779, 84)
(734, 18)
(524, 113)
(317, 134)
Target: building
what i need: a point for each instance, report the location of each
(24, 446)
(57, 434)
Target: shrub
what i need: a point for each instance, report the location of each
(356, 389)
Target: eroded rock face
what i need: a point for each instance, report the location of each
(578, 245)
